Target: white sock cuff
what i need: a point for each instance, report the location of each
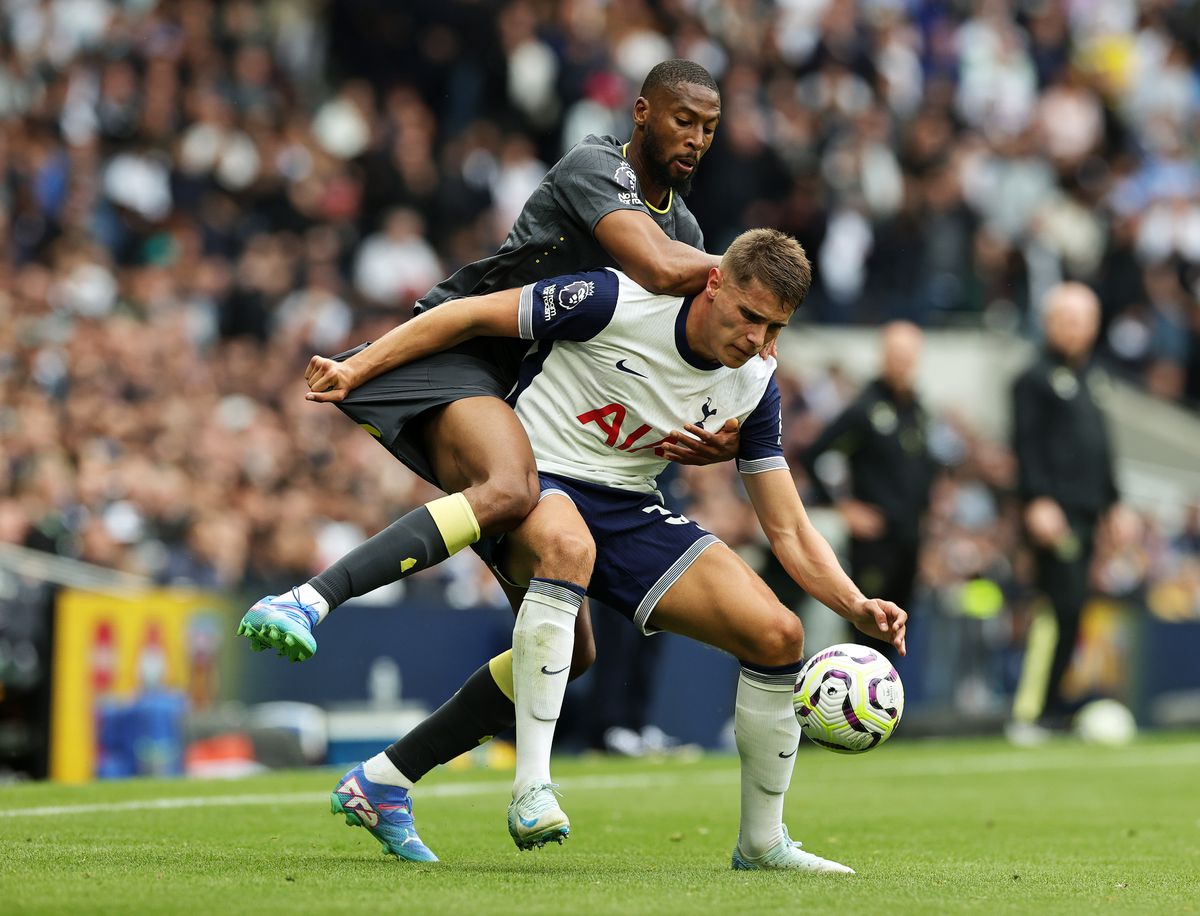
(781, 681)
(310, 596)
(552, 595)
(381, 771)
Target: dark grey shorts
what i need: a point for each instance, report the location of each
(386, 404)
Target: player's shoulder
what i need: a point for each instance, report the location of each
(594, 151)
(758, 372)
(631, 292)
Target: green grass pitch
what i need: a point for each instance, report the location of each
(931, 827)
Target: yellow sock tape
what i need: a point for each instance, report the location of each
(501, 668)
(1030, 698)
(455, 520)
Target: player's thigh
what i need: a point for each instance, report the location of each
(553, 542)
(477, 446)
(474, 439)
(721, 601)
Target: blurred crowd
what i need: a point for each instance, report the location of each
(198, 195)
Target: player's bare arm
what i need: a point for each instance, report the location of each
(493, 315)
(811, 562)
(652, 260)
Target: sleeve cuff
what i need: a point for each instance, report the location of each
(761, 465)
(525, 313)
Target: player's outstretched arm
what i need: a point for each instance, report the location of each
(650, 258)
(809, 559)
(438, 329)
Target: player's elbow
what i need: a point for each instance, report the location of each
(661, 276)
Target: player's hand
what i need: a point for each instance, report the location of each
(328, 380)
(865, 522)
(771, 349)
(1046, 523)
(883, 620)
(699, 446)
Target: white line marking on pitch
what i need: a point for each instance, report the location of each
(993, 763)
(583, 783)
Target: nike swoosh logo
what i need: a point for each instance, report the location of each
(621, 365)
(786, 756)
(546, 670)
(527, 822)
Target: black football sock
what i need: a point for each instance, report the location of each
(479, 710)
(420, 539)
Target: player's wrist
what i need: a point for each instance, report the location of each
(354, 374)
(856, 606)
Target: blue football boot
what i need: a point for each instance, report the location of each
(386, 812)
(283, 623)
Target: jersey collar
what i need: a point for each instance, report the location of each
(670, 191)
(690, 356)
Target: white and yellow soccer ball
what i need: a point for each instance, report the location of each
(848, 698)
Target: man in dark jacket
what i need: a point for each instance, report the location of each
(883, 437)
(1066, 482)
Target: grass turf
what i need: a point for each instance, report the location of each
(931, 827)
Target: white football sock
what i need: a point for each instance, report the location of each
(543, 639)
(768, 736)
(381, 771)
(310, 596)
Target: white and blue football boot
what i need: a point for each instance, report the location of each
(283, 623)
(787, 854)
(535, 819)
(386, 812)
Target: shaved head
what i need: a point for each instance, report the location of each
(902, 342)
(671, 74)
(1071, 318)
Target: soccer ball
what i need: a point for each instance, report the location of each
(848, 698)
(1105, 722)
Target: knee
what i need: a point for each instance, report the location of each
(568, 555)
(504, 501)
(779, 642)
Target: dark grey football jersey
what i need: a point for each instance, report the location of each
(553, 235)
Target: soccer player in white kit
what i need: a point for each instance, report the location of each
(613, 371)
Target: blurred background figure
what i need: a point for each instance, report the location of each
(1068, 487)
(881, 488)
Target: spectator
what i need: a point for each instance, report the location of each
(1068, 486)
(883, 437)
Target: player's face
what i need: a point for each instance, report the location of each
(679, 128)
(744, 320)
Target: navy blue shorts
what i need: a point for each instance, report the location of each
(642, 548)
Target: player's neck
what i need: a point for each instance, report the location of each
(697, 319)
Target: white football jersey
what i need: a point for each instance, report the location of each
(611, 375)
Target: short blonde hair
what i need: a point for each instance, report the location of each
(773, 258)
